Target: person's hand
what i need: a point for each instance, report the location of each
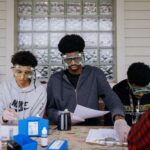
(122, 129)
(9, 114)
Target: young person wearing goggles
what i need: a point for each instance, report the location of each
(81, 84)
(22, 95)
(134, 92)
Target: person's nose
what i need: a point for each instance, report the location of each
(73, 62)
(22, 76)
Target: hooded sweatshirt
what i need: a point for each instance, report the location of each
(26, 102)
(91, 85)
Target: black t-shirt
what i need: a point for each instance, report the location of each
(73, 78)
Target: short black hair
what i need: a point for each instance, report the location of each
(139, 73)
(71, 43)
(24, 58)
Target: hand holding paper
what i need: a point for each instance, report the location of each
(81, 113)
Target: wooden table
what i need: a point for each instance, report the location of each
(76, 139)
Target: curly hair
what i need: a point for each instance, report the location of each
(24, 58)
(71, 43)
(139, 74)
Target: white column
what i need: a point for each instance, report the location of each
(120, 41)
(9, 33)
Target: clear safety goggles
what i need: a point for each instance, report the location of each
(145, 90)
(77, 60)
(25, 71)
(140, 90)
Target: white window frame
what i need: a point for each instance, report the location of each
(119, 71)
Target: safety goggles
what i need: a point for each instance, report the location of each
(140, 90)
(77, 59)
(25, 71)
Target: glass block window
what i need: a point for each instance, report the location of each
(42, 23)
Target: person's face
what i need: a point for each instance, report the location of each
(139, 91)
(22, 74)
(73, 60)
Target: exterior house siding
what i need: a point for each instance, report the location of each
(137, 31)
(2, 39)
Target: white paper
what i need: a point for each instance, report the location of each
(103, 136)
(5, 131)
(76, 119)
(33, 128)
(85, 113)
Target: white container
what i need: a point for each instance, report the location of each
(44, 137)
(0, 143)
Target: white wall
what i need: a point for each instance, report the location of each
(137, 31)
(6, 36)
(2, 39)
(133, 34)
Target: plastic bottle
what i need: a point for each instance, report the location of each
(0, 138)
(0, 143)
(11, 134)
(44, 137)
